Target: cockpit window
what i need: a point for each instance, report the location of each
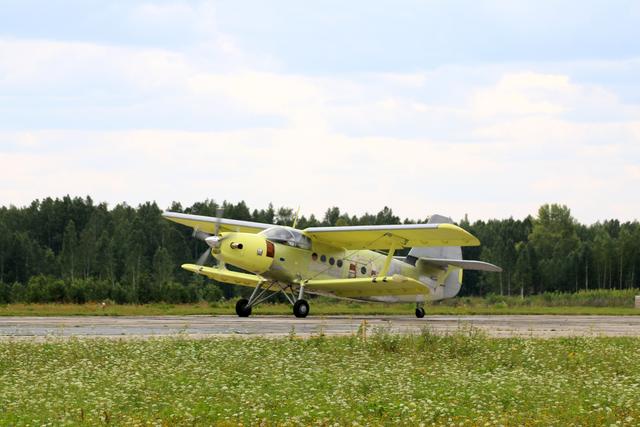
(288, 236)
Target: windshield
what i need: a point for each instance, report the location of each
(289, 236)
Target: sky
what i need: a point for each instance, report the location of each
(484, 108)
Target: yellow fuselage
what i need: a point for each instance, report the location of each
(289, 264)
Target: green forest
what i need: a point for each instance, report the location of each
(76, 250)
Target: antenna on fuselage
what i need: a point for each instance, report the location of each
(295, 218)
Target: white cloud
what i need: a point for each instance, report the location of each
(179, 18)
(42, 68)
(524, 94)
(296, 98)
(360, 142)
(258, 166)
(316, 170)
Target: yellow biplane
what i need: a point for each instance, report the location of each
(342, 262)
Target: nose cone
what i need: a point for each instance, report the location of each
(244, 250)
(213, 241)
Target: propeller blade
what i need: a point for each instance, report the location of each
(204, 257)
(219, 212)
(212, 240)
(200, 235)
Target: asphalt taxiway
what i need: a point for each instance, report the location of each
(205, 326)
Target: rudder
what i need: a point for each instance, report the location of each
(453, 281)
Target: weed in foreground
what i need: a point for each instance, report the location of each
(462, 378)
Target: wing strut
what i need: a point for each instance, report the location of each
(396, 242)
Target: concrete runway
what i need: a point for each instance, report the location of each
(206, 326)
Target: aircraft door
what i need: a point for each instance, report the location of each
(352, 270)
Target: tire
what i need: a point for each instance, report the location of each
(301, 308)
(241, 308)
(419, 312)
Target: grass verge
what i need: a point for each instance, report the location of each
(318, 307)
(462, 379)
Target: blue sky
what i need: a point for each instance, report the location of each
(487, 108)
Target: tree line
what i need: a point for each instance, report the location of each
(75, 250)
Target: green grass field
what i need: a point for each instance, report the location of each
(462, 379)
(318, 307)
(603, 301)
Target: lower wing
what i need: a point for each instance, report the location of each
(226, 276)
(368, 286)
(348, 288)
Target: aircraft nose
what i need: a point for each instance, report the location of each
(213, 242)
(245, 250)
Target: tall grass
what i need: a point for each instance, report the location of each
(591, 298)
(462, 379)
(602, 301)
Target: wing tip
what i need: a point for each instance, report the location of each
(191, 267)
(468, 239)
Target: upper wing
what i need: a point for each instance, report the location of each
(226, 276)
(383, 236)
(367, 286)
(463, 263)
(207, 224)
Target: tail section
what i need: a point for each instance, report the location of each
(444, 264)
(447, 252)
(449, 278)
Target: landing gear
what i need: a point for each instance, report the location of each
(419, 312)
(243, 309)
(266, 290)
(301, 308)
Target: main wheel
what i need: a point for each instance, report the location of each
(419, 312)
(301, 308)
(241, 308)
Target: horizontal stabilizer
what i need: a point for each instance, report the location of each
(464, 264)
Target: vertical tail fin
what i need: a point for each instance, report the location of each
(453, 281)
(448, 252)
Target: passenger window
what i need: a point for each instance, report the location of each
(314, 256)
(332, 261)
(323, 258)
(339, 263)
(363, 270)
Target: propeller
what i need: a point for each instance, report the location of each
(213, 241)
(219, 212)
(204, 257)
(200, 235)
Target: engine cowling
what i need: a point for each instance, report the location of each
(251, 252)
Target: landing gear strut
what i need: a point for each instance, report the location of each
(300, 306)
(419, 311)
(266, 290)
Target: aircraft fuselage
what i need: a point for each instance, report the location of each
(289, 264)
